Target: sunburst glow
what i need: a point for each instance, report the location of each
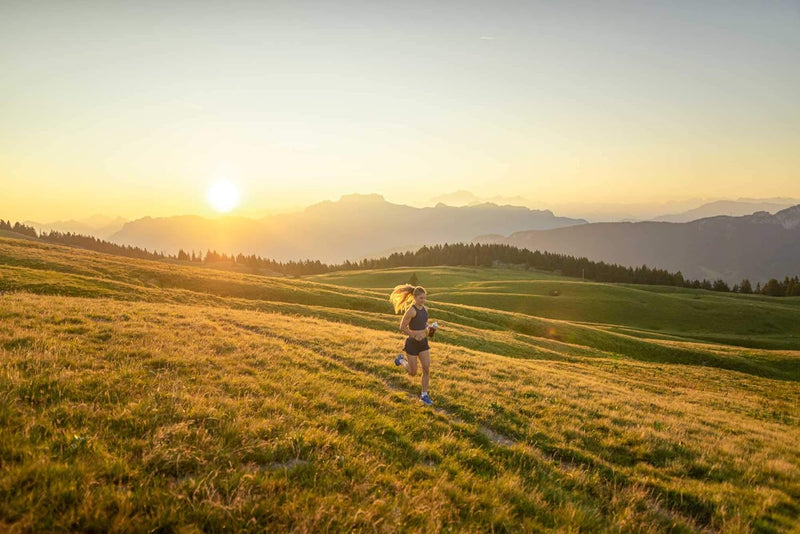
(223, 196)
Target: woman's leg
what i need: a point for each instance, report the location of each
(411, 364)
(425, 361)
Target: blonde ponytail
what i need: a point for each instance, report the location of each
(402, 296)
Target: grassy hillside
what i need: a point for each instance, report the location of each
(747, 320)
(147, 396)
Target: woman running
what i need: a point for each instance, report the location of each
(415, 324)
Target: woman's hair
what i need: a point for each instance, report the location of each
(402, 296)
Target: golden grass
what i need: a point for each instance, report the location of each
(146, 416)
(183, 400)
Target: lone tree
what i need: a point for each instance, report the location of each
(745, 287)
(773, 288)
(414, 281)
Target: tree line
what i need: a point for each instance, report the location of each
(18, 228)
(454, 254)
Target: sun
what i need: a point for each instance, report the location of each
(223, 196)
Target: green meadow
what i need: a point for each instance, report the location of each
(749, 320)
(144, 396)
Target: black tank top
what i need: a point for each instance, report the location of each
(420, 320)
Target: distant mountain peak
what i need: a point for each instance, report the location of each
(358, 197)
(463, 198)
(350, 202)
(101, 226)
(460, 197)
(729, 208)
(790, 217)
(762, 217)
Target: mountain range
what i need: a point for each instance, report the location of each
(668, 211)
(467, 198)
(353, 227)
(757, 246)
(101, 226)
(734, 208)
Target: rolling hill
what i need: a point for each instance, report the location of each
(139, 395)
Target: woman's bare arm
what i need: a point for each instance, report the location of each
(410, 313)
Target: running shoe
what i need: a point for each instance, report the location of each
(399, 360)
(426, 399)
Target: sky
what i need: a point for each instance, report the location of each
(137, 108)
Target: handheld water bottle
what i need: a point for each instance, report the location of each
(432, 329)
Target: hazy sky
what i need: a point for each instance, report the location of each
(135, 108)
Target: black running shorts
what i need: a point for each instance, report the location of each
(414, 347)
